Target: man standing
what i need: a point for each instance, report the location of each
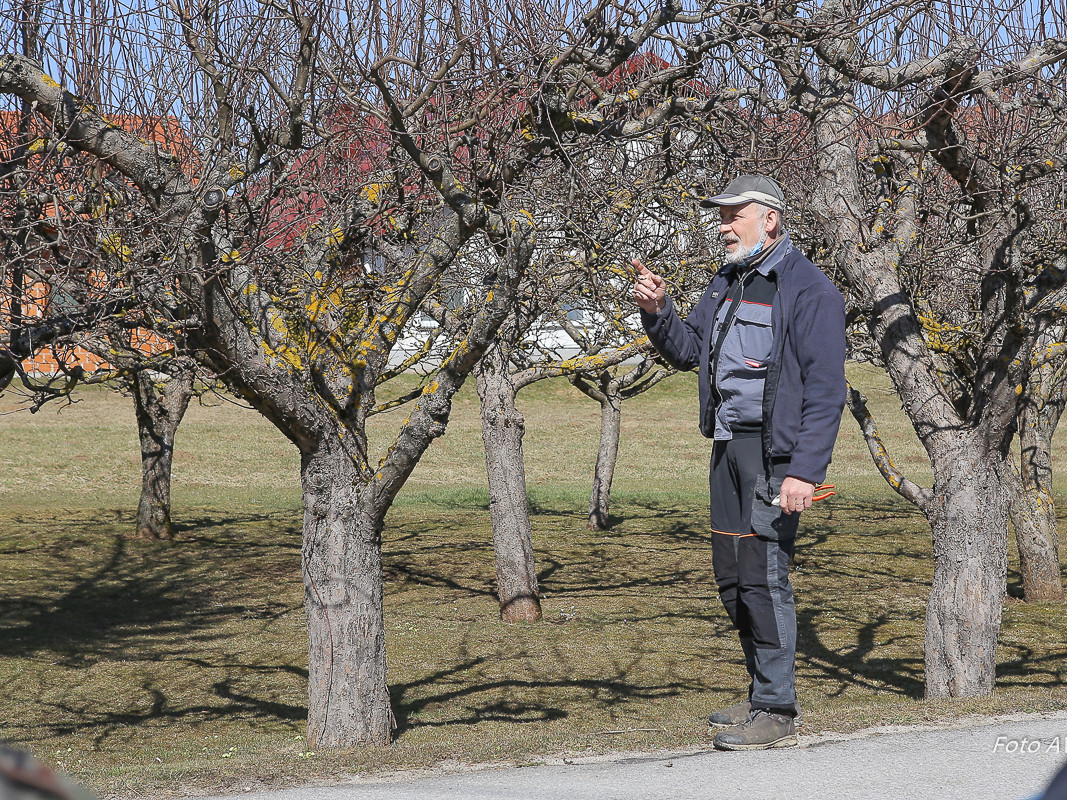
(768, 337)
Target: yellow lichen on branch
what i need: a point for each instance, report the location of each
(941, 337)
(112, 245)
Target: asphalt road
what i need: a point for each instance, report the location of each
(1008, 758)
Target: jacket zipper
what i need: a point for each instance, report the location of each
(717, 347)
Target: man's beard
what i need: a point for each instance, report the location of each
(740, 254)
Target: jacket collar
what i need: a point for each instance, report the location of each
(769, 262)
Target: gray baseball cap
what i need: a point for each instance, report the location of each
(749, 189)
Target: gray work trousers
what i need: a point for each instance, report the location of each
(752, 543)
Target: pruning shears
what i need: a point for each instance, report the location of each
(822, 491)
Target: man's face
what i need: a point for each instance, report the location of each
(742, 228)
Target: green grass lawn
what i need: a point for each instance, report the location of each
(144, 668)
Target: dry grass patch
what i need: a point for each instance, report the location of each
(150, 669)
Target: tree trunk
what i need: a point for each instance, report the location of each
(348, 699)
(969, 522)
(159, 405)
(502, 431)
(606, 458)
(968, 507)
(1033, 514)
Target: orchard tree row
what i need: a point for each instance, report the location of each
(301, 201)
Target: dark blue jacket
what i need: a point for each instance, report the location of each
(804, 390)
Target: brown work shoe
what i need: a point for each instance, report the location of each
(762, 730)
(738, 713)
(731, 715)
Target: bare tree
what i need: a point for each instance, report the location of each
(1033, 513)
(332, 176)
(326, 188)
(516, 360)
(964, 418)
(40, 312)
(839, 83)
(611, 390)
(499, 382)
(284, 313)
(621, 144)
(159, 377)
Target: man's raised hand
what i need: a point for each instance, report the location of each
(650, 291)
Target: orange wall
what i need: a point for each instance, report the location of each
(47, 360)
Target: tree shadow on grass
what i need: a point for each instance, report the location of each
(517, 700)
(108, 592)
(284, 529)
(432, 564)
(1014, 587)
(156, 707)
(101, 609)
(856, 665)
(1029, 667)
(869, 558)
(635, 557)
(681, 523)
(133, 591)
(583, 565)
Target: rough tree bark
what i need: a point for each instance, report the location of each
(969, 522)
(609, 395)
(607, 456)
(348, 698)
(346, 499)
(1033, 514)
(611, 391)
(502, 431)
(967, 509)
(159, 405)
